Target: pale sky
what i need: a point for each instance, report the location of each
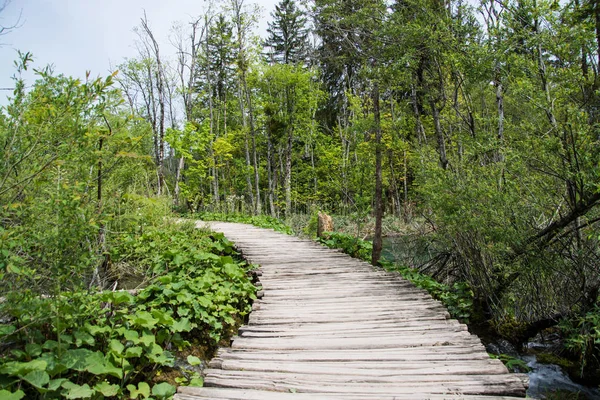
(80, 35)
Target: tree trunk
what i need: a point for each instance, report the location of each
(177, 189)
(377, 237)
(257, 204)
(247, 150)
(270, 174)
(499, 156)
(439, 134)
(288, 173)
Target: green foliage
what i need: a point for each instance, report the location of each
(310, 228)
(583, 339)
(349, 244)
(457, 297)
(95, 344)
(512, 363)
(70, 156)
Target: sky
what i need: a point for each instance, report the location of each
(90, 35)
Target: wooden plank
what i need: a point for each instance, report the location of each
(192, 393)
(500, 386)
(373, 368)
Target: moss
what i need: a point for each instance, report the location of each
(510, 329)
(549, 358)
(564, 395)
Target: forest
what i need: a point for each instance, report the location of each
(471, 129)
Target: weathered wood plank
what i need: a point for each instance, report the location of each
(189, 393)
(478, 385)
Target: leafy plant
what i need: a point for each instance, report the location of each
(512, 363)
(87, 344)
(583, 338)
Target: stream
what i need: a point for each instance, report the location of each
(546, 381)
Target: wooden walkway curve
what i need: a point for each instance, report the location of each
(333, 327)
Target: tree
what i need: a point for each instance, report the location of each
(288, 34)
(66, 146)
(188, 47)
(6, 29)
(348, 31)
(243, 22)
(289, 100)
(147, 84)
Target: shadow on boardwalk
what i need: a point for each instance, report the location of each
(333, 327)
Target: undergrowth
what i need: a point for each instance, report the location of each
(94, 345)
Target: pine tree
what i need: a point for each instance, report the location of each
(288, 34)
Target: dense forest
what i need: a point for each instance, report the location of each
(475, 127)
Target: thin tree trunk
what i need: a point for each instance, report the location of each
(177, 189)
(377, 237)
(257, 204)
(499, 156)
(270, 177)
(247, 150)
(288, 172)
(439, 134)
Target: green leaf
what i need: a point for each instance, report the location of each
(13, 269)
(74, 391)
(183, 325)
(33, 349)
(95, 329)
(6, 395)
(193, 360)
(135, 351)
(143, 389)
(82, 337)
(178, 260)
(144, 319)
(121, 297)
(50, 345)
(21, 368)
(163, 317)
(132, 336)
(76, 359)
(97, 364)
(160, 357)
(197, 382)
(37, 379)
(106, 389)
(6, 330)
(147, 339)
(163, 390)
(117, 347)
(54, 384)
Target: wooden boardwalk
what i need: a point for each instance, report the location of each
(333, 327)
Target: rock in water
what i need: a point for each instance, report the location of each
(325, 224)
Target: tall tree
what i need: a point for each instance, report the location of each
(188, 45)
(146, 86)
(244, 20)
(288, 34)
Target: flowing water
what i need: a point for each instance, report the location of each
(545, 380)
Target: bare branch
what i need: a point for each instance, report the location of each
(6, 29)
